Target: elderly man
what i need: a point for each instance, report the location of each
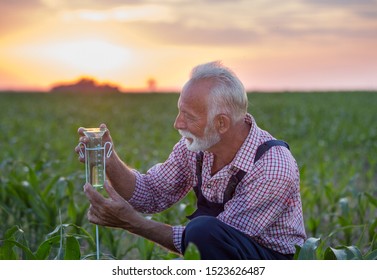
(246, 182)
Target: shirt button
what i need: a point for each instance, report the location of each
(209, 186)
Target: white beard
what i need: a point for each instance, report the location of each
(210, 138)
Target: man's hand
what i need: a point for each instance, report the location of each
(114, 211)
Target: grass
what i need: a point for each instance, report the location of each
(333, 137)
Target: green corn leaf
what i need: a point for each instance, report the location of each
(28, 253)
(353, 250)
(329, 254)
(297, 253)
(84, 233)
(308, 250)
(192, 252)
(72, 249)
(343, 253)
(6, 249)
(145, 248)
(371, 256)
(55, 231)
(72, 212)
(33, 178)
(10, 232)
(44, 248)
(50, 185)
(371, 199)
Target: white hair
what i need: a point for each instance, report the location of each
(227, 96)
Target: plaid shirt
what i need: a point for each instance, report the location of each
(266, 204)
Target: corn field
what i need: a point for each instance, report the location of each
(333, 136)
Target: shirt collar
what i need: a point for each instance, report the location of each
(244, 158)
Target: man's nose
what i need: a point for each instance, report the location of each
(179, 122)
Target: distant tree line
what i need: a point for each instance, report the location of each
(85, 85)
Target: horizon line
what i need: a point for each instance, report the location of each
(177, 91)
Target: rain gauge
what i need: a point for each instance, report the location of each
(95, 155)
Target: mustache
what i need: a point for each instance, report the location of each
(185, 133)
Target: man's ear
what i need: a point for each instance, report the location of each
(222, 123)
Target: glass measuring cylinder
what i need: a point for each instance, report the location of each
(95, 156)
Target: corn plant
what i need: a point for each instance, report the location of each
(61, 243)
(312, 250)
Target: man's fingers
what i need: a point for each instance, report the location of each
(80, 150)
(80, 131)
(111, 191)
(92, 216)
(95, 198)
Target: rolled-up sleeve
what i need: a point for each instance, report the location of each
(177, 237)
(165, 183)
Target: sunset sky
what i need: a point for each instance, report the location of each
(270, 44)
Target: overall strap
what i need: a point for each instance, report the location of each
(235, 179)
(232, 184)
(204, 206)
(199, 163)
(198, 171)
(266, 146)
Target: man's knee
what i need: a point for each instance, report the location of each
(200, 230)
(212, 237)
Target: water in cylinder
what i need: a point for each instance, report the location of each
(95, 157)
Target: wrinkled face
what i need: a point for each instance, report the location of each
(192, 120)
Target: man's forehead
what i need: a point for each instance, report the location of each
(195, 93)
(194, 98)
